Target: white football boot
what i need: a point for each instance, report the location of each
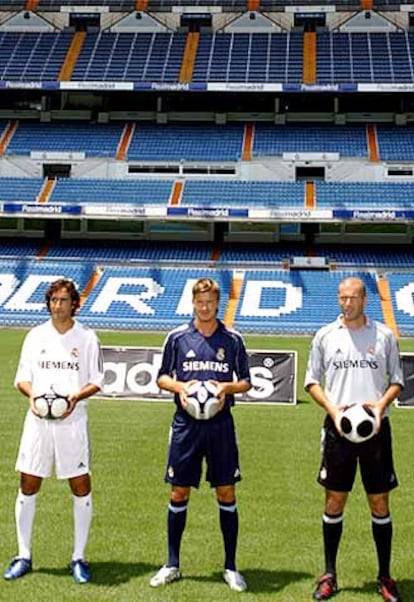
(166, 574)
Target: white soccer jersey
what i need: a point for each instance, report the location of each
(354, 366)
(64, 362)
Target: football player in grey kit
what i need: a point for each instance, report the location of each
(203, 350)
(355, 360)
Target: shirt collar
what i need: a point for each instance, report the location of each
(219, 325)
(368, 323)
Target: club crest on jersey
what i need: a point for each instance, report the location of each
(221, 354)
(75, 352)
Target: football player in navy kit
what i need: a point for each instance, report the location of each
(204, 349)
(358, 360)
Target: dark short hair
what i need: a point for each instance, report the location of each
(70, 286)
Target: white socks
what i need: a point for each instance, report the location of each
(25, 509)
(82, 514)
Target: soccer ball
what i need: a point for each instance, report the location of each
(358, 423)
(202, 403)
(51, 405)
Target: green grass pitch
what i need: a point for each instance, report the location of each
(280, 503)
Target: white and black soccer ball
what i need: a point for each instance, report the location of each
(202, 403)
(51, 405)
(358, 423)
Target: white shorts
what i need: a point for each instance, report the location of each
(62, 444)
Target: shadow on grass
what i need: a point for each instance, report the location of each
(106, 573)
(405, 587)
(259, 580)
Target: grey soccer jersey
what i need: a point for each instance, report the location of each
(357, 365)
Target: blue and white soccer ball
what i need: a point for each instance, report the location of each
(358, 423)
(51, 405)
(202, 403)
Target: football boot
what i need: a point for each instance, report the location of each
(166, 574)
(326, 587)
(387, 587)
(80, 571)
(235, 580)
(18, 568)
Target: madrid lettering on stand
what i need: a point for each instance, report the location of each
(18, 295)
(145, 298)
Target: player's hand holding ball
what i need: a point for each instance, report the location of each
(51, 405)
(201, 400)
(358, 423)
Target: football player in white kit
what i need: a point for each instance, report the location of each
(63, 356)
(357, 360)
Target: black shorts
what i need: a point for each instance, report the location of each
(192, 441)
(340, 460)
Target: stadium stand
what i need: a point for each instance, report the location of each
(355, 195)
(27, 56)
(92, 139)
(207, 142)
(395, 144)
(127, 5)
(364, 57)
(129, 294)
(228, 255)
(277, 300)
(101, 114)
(243, 193)
(26, 305)
(188, 142)
(351, 196)
(402, 290)
(20, 189)
(151, 298)
(91, 190)
(348, 141)
(340, 58)
(249, 57)
(203, 142)
(134, 57)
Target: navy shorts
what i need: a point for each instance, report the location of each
(340, 459)
(192, 441)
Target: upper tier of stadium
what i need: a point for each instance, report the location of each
(202, 59)
(340, 45)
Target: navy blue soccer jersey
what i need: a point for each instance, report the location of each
(189, 355)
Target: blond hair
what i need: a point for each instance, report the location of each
(206, 285)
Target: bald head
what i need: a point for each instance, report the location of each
(356, 284)
(352, 298)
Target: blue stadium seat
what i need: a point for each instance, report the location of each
(188, 142)
(92, 190)
(92, 139)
